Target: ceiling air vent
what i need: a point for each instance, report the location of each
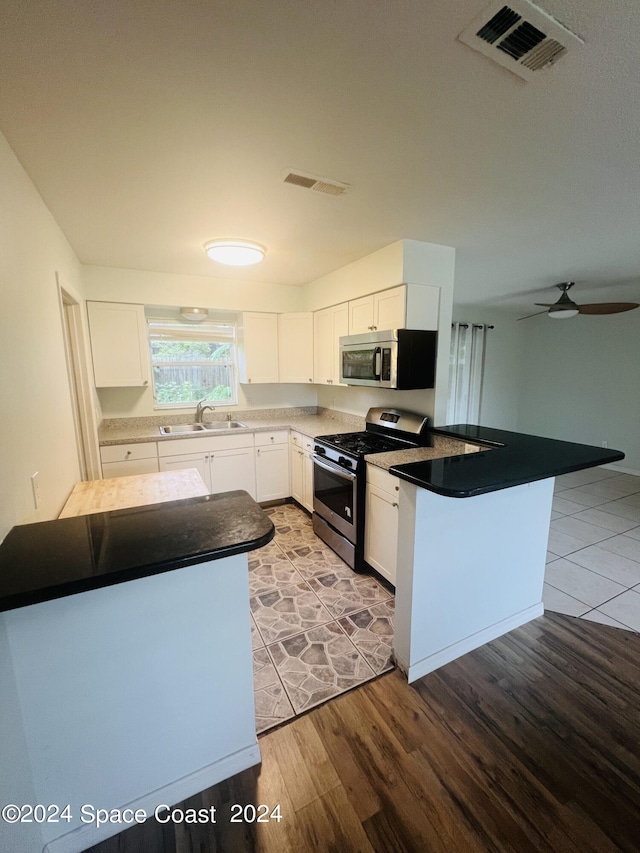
(318, 185)
(520, 37)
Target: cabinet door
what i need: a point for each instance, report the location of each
(296, 456)
(233, 469)
(389, 309)
(259, 348)
(381, 532)
(322, 347)
(307, 479)
(127, 469)
(361, 315)
(340, 327)
(295, 342)
(119, 347)
(199, 461)
(272, 472)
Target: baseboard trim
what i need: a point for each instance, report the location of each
(621, 469)
(474, 641)
(83, 837)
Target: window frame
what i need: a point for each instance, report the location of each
(172, 325)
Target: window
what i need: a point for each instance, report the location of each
(190, 363)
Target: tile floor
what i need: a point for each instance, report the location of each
(593, 564)
(318, 628)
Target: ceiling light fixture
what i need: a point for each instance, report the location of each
(195, 315)
(235, 253)
(562, 313)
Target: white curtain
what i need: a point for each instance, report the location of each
(466, 372)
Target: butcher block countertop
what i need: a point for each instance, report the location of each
(137, 490)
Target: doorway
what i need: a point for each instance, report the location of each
(84, 415)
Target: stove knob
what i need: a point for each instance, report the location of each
(346, 463)
(321, 451)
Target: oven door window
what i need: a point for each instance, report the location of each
(360, 363)
(335, 491)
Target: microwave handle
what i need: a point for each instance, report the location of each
(377, 362)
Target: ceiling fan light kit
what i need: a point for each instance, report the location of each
(565, 308)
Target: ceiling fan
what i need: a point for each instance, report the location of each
(565, 307)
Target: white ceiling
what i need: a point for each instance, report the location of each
(151, 126)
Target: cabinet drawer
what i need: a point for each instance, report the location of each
(307, 443)
(279, 436)
(128, 452)
(296, 438)
(204, 444)
(129, 469)
(382, 479)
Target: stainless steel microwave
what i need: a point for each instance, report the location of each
(399, 358)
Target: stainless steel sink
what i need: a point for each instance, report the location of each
(225, 425)
(177, 429)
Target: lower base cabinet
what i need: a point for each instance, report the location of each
(300, 450)
(272, 465)
(225, 463)
(381, 525)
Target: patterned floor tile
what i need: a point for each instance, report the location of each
(371, 632)
(270, 572)
(256, 640)
(342, 595)
(287, 611)
(314, 558)
(272, 703)
(317, 665)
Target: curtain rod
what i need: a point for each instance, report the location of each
(474, 325)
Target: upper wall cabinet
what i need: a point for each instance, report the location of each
(258, 348)
(295, 342)
(408, 306)
(118, 344)
(328, 326)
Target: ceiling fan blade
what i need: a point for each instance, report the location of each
(607, 307)
(537, 314)
(545, 304)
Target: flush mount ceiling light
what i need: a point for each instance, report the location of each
(195, 315)
(235, 253)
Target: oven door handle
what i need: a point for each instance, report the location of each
(334, 469)
(377, 362)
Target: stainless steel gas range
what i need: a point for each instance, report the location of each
(339, 476)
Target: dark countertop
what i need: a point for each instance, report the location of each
(51, 559)
(511, 459)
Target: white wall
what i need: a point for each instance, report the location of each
(580, 381)
(223, 294)
(36, 422)
(503, 364)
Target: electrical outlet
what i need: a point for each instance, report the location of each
(35, 488)
(605, 444)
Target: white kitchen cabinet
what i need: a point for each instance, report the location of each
(233, 469)
(199, 461)
(301, 448)
(258, 348)
(272, 465)
(328, 326)
(408, 306)
(124, 460)
(295, 342)
(121, 356)
(381, 522)
(225, 462)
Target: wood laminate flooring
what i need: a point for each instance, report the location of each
(527, 744)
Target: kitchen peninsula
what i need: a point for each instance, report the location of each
(472, 540)
(126, 656)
